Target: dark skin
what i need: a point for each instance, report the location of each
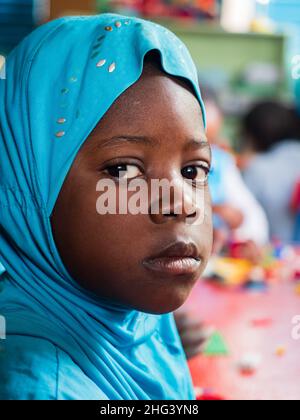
(104, 253)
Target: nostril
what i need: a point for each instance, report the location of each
(194, 214)
(169, 214)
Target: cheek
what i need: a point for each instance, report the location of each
(110, 242)
(109, 257)
(103, 232)
(207, 226)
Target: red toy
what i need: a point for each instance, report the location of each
(295, 203)
(295, 206)
(207, 395)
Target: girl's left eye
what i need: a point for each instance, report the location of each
(123, 171)
(198, 173)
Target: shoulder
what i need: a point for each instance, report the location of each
(34, 369)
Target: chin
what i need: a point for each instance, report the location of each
(166, 304)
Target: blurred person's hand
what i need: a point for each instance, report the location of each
(221, 239)
(248, 250)
(230, 215)
(192, 331)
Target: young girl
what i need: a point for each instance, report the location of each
(88, 298)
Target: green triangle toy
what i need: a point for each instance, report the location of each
(216, 346)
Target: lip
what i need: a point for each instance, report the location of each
(179, 258)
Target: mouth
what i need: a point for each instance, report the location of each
(180, 258)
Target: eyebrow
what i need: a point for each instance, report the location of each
(148, 141)
(119, 140)
(196, 144)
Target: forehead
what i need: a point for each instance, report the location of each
(156, 101)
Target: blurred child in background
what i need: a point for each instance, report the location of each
(272, 168)
(234, 206)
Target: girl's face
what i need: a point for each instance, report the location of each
(154, 130)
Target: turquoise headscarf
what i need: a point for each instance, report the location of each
(60, 81)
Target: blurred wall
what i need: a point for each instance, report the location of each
(69, 7)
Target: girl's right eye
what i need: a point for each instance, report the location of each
(123, 171)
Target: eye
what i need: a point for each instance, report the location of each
(197, 173)
(123, 171)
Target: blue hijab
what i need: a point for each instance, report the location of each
(60, 81)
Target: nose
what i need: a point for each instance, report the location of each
(173, 201)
